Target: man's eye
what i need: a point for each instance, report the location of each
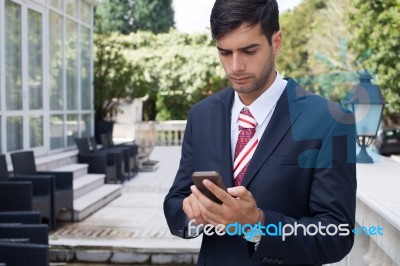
(224, 53)
(251, 52)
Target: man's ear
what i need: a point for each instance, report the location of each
(277, 42)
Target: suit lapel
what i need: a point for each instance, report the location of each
(278, 126)
(222, 136)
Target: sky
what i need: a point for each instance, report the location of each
(194, 15)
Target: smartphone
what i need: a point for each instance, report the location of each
(214, 177)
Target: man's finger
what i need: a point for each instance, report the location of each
(196, 210)
(218, 192)
(187, 209)
(240, 192)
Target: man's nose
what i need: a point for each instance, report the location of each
(238, 63)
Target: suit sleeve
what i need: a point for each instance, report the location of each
(174, 214)
(332, 200)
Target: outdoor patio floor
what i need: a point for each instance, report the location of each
(134, 222)
(132, 228)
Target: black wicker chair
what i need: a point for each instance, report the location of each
(107, 142)
(23, 240)
(101, 162)
(42, 190)
(24, 254)
(22, 217)
(62, 192)
(19, 196)
(36, 233)
(128, 160)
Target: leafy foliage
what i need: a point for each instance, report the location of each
(152, 15)
(178, 70)
(376, 27)
(315, 50)
(114, 78)
(126, 16)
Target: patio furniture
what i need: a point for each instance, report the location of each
(22, 217)
(42, 187)
(62, 192)
(23, 240)
(127, 156)
(19, 196)
(36, 233)
(23, 254)
(107, 142)
(101, 162)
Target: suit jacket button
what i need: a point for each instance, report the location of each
(280, 262)
(265, 259)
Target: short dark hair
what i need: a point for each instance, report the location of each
(227, 15)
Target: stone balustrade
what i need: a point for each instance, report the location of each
(378, 204)
(166, 133)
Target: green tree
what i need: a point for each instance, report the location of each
(315, 48)
(178, 70)
(152, 15)
(114, 78)
(296, 26)
(109, 16)
(126, 16)
(376, 27)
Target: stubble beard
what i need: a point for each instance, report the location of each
(259, 82)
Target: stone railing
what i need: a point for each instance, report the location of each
(378, 204)
(167, 133)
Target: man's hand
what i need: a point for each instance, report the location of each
(237, 206)
(191, 209)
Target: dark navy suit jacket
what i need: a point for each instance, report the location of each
(302, 171)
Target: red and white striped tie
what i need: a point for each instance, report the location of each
(245, 145)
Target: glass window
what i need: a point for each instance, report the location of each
(35, 59)
(86, 128)
(57, 4)
(86, 84)
(85, 12)
(36, 131)
(72, 8)
(72, 65)
(14, 133)
(56, 131)
(13, 66)
(72, 129)
(56, 62)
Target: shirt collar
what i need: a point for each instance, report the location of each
(263, 105)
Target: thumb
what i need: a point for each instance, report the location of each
(240, 192)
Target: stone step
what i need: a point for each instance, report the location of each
(87, 183)
(79, 169)
(92, 202)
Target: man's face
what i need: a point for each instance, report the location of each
(248, 59)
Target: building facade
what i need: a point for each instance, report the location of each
(46, 74)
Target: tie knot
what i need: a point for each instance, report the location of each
(246, 119)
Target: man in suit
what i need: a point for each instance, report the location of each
(287, 156)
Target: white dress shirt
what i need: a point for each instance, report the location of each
(261, 109)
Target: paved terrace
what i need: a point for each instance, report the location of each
(132, 229)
